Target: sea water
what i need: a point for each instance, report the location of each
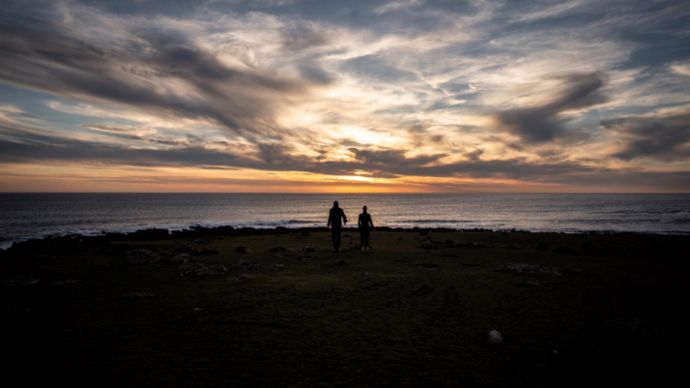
(24, 216)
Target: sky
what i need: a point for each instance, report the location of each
(345, 96)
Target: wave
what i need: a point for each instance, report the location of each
(432, 221)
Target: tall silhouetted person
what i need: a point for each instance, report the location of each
(335, 216)
(365, 226)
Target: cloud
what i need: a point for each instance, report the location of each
(376, 67)
(545, 122)
(153, 70)
(663, 135)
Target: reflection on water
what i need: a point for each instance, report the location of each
(31, 215)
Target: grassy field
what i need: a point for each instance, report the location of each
(282, 309)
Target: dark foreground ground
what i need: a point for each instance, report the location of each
(284, 310)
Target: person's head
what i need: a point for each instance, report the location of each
(335, 203)
(364, 209)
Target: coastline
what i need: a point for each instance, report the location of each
(197, 229)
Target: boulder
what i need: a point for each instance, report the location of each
(530, 268)
(194, 250)
(494, 337)
(138, 257)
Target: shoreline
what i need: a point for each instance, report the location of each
(196, 229)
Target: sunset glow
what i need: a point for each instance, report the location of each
(325, 96)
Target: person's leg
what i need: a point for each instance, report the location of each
(334, 238)
(365, 238)
(361, 239)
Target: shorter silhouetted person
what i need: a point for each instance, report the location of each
(335, 216)
(365, 226)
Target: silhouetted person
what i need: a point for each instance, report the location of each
(334, 217)
(365, 226)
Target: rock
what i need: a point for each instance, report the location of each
(530, 268)
(181, 259)
(427, 245)
(149, 234)
(309, 248)
(201, 269)
(243, 249)
(340, 262)
(278, 249)
(245, 277)
(194, 250)
(494, 337)
(138, 257)
(247, 265)
(449, 243)
(473, 244)
(20, 281)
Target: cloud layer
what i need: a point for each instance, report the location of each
(573, 94)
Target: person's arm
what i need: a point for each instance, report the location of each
(371, 222)
(359, 221)
(344, 218)
(328, 224)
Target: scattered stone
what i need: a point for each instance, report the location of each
(530, 268)
(65, 282)
(247, 265)
(309, 248)
(340, 262)
(194, 250)
(243, 249)
(427, 245)
(278, 249)
(449, 243)
(428, 265)
(138, 295)
(494, 337)
(138, 257)
(181, 259)
(20, 281)
(196, 309)
(473, 244)
(201, 269)
(245, 277)
(513, 247)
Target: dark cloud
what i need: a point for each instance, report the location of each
(378, 163)
(661, 136)
(543, 123)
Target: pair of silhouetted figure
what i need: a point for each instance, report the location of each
(336, 220)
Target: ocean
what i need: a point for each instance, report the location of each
(24, 216)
